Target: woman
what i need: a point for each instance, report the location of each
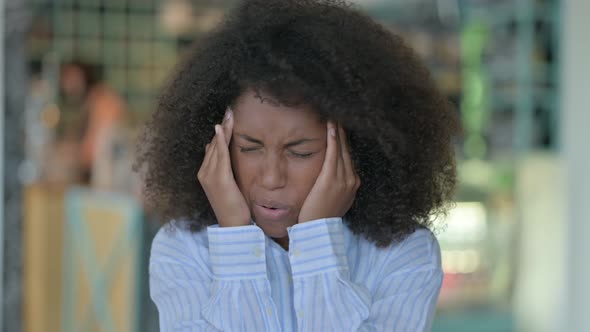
(301, 152)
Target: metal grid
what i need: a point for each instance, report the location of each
(521, 64)
(123, 36)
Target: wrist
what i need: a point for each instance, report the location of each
(234, 222)
(318, 216)
(237, 253)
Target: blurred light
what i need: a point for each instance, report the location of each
(477, 173)
(448, 261)
(460, 261)
(466, 223)
(50, 116)
(475, 146)
(467, 261)
(476, 93)
(176, 16)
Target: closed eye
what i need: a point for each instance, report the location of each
(301, 155)
(248, 149)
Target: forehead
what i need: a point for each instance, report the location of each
(261, 114)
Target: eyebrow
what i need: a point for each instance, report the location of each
(288, 145)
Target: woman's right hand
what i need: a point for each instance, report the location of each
(217, 179)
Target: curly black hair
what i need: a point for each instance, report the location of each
(329, 55)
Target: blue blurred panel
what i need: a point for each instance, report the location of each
(101, 259)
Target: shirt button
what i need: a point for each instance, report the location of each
(269, 311)
(257, 252)
(296, 252)
(300, 314)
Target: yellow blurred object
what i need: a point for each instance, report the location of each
(50, 116)
(42, 258)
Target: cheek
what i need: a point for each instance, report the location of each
(303, 174)
(244, 170)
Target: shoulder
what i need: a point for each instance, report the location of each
(175, 242)
(178, 261)
(419, 250)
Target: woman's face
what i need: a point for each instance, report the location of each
(277, 153)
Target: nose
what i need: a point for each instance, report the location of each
(273, 175)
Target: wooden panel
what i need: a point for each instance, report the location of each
(42, 244)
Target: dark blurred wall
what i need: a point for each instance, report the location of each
(15, 25)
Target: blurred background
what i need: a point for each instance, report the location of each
(78, 77)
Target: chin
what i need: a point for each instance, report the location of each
(274, 229)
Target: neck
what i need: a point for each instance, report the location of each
(283, 242)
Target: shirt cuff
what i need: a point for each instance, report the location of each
(317, 247)
(237, 253)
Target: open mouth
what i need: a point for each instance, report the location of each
(271, 210)
(270, 204)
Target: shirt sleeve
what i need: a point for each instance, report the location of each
(408, 276)
(220, 288)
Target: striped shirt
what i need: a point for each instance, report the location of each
(237, 279)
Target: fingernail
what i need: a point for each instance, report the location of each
(227, 115)
(217, 129)
(332, 132)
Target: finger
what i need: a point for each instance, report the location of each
(204, 170)
(221, 145)
(341, 170)
(214, 154)
(228, 124)
(331, 158)
(345, 153)
(207, 156)
(211, 148)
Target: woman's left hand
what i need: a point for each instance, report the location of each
(335, 188)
